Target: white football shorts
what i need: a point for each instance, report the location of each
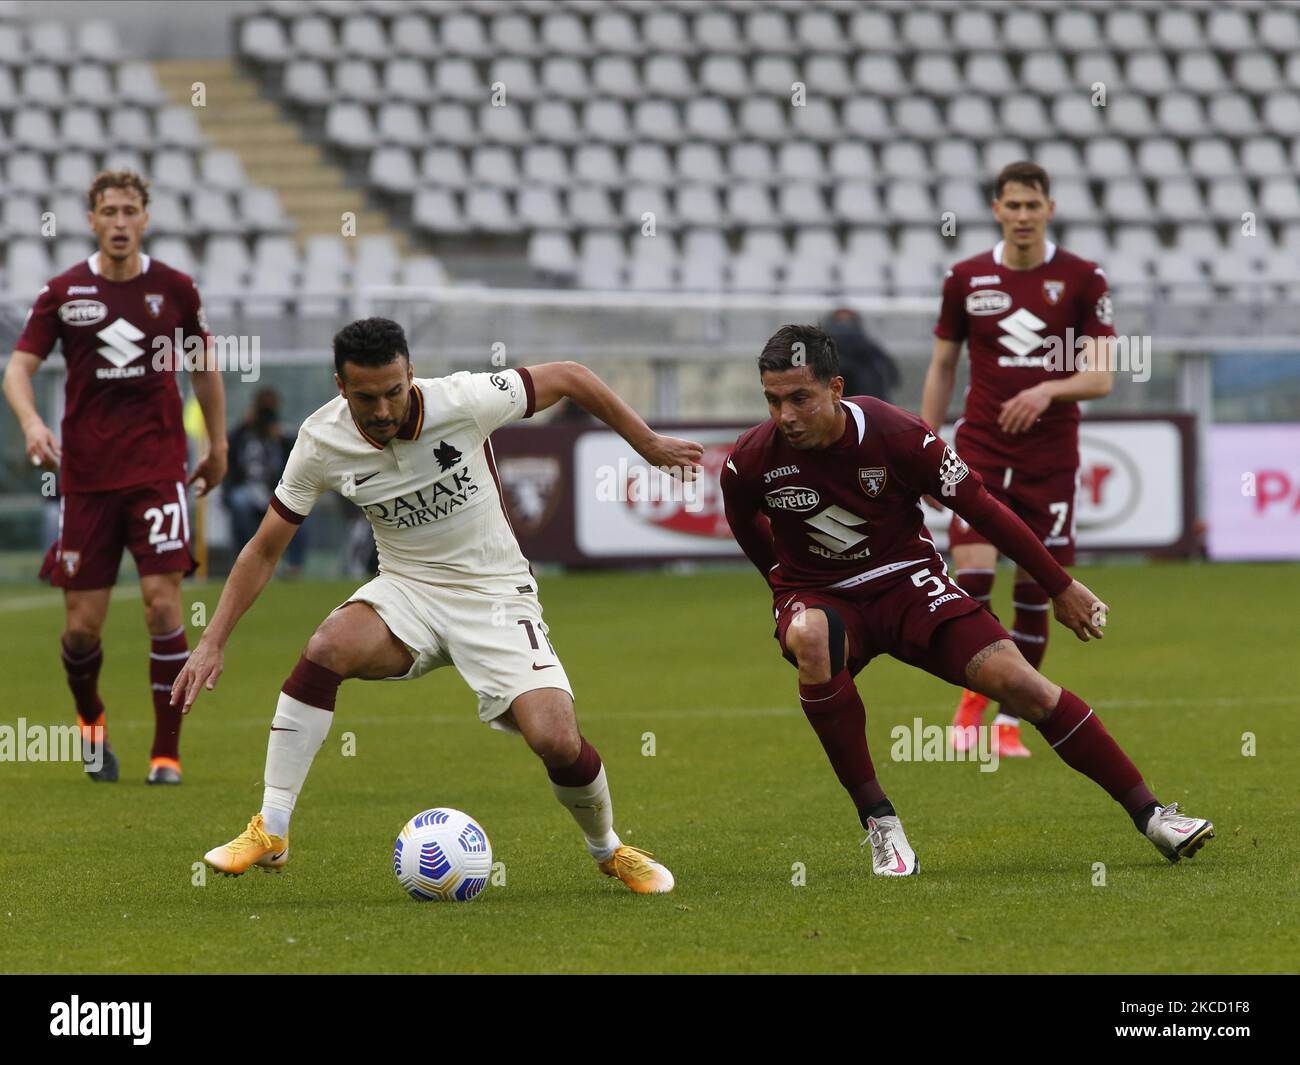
(496, 640)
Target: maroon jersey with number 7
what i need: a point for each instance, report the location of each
(1023, 328)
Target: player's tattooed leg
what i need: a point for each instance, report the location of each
(975, 664)
(1001, 672)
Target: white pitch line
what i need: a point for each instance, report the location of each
(469, 717)
(55, 599)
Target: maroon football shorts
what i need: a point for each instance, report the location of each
(1046, 504)
(151, 520)
(919, 617)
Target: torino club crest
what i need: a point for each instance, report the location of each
(872, 480)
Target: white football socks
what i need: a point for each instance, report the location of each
(297, 733)
(594, 811)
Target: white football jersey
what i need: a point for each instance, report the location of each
(431, 493)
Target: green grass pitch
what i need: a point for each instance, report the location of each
(99, 878)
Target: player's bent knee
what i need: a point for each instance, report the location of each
(817, 641)
(326, 650)
(557, 749)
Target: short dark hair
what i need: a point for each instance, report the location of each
(369, 342)
(116, 179)
(818, 353)
(1023, 173)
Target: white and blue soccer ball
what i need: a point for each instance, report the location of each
(442, 855)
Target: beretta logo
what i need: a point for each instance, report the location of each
(987, 301)
(793, 498)
(83, 312)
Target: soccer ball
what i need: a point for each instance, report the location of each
(442, 855)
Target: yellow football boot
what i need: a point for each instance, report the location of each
(638, 870)
(251, 847)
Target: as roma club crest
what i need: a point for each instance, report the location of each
(872, 480)
(71, 562)
(154, 301)
(1053, 291)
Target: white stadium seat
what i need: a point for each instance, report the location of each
(1157, 158)
(406, 79)
(412, 35)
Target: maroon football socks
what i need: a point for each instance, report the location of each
(978, 584)
(582, 772)
(313, 684)
(83, 681)
(167, 655)
(835, 711)
(1079, 737)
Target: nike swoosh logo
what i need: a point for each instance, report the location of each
(363, 480)
(276, 728)
(901, 867)
(929, 438)
(536, 666)
(1184, 831)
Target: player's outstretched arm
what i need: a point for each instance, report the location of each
(936, 468)
(253, 568)
(42, 445)
(937, 392)
(1074, 605)
(553, 381)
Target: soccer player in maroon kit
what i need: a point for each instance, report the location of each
(1017, 306)
(824, 499)
(122, 464)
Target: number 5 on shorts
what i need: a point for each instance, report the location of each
(923, 577)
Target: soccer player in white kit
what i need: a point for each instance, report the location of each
(453, 586)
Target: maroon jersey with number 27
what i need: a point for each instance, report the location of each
(122, 423)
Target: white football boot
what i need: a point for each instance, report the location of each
(891, 855)
(1176, 836)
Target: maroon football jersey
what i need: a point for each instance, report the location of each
(122, 418)
(848, 514)
(1009, 318)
